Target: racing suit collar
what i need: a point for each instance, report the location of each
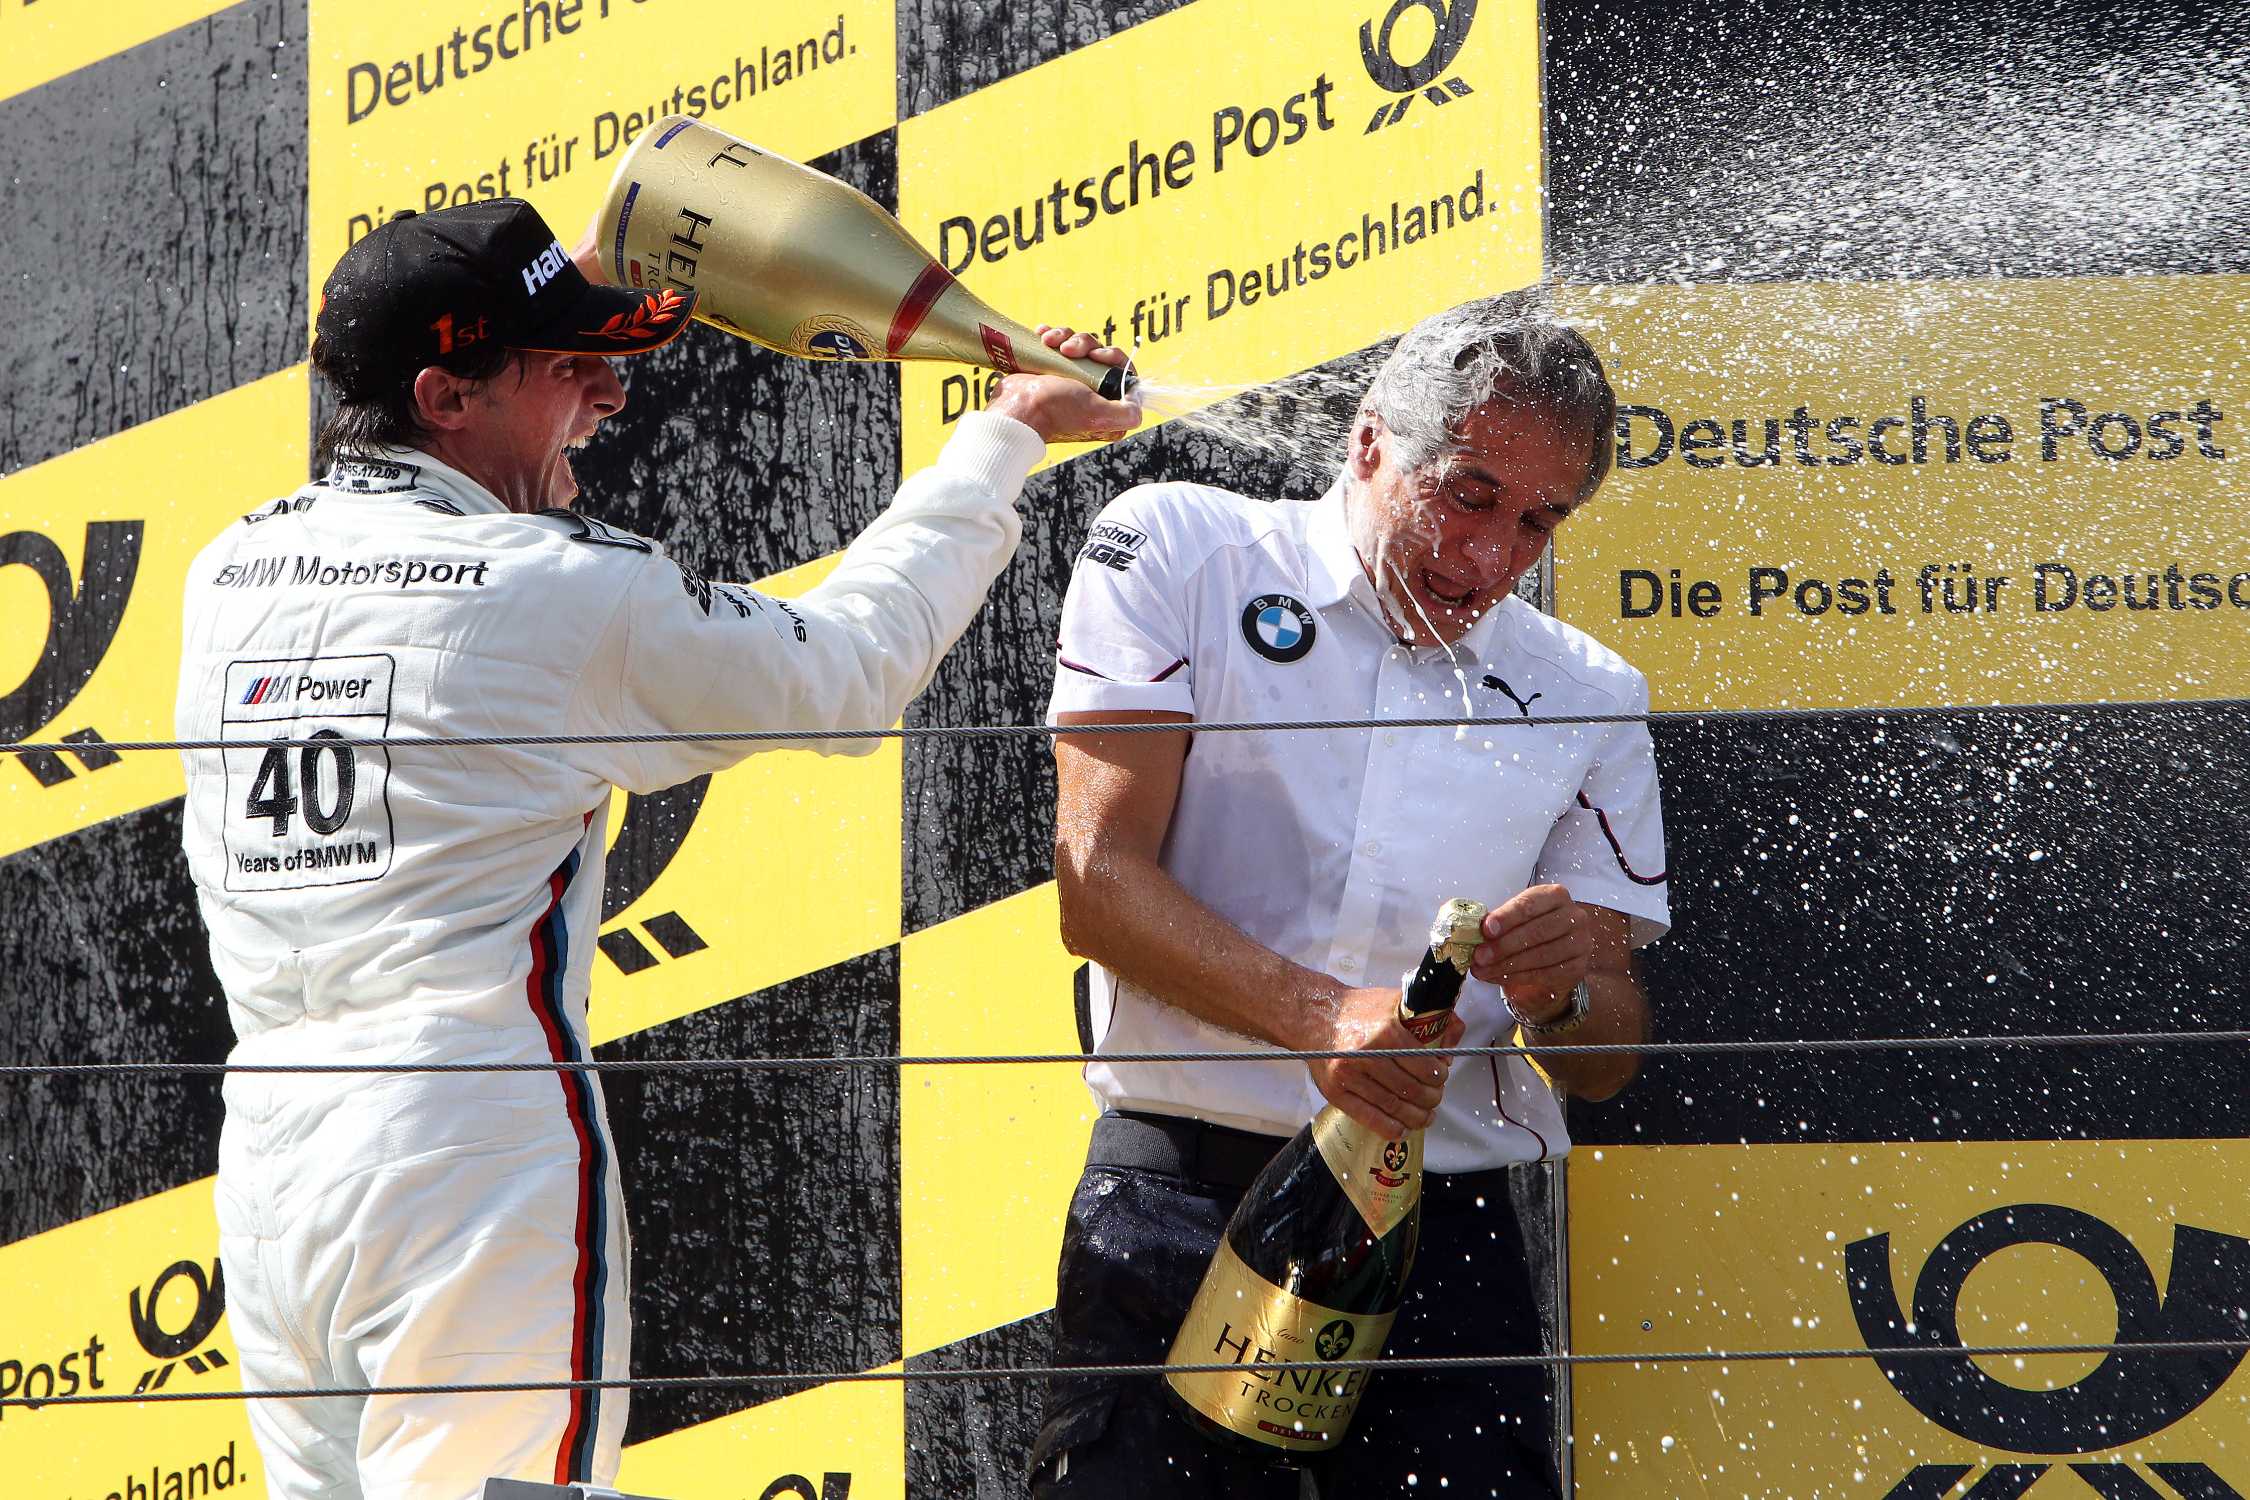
(387, 471)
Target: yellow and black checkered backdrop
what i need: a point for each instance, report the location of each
(1916, 414)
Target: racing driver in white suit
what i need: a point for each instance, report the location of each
(437, 903)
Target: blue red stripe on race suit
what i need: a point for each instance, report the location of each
(550, 960)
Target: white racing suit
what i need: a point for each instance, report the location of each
(439, 904)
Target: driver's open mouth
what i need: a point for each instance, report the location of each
(1445, 590)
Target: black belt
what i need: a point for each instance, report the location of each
(1228, 1158)
(1180, 1147)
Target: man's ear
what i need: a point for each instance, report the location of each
(1365, 454)
(441, 399)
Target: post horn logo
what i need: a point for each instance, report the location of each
(168, 1345)
(82, 621)
(1408, 79)
(2129, 1396)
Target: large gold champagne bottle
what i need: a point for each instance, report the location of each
(1314, 1262)
(790, 258)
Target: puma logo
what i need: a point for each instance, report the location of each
(1523, 705)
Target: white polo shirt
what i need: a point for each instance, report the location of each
(1335, 847)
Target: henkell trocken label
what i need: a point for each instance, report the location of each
(1244, 1318)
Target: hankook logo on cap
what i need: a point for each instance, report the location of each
(1278, 627)
(542, 268)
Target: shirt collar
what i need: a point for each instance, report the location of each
(399, 470)
(1477, 640)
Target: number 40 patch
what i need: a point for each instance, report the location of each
(302, 808)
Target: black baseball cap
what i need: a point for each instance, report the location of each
(439, 288)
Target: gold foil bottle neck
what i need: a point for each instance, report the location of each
(1457, 931)
(1383, 1178)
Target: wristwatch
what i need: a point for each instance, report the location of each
(1581, 1001)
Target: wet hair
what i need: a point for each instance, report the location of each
(384, 417)
(1510, 348)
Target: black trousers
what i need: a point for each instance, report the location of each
(1142, 1227)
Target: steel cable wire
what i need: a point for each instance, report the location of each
(2001, 1041)
(1042, 731)
(991, 731)
(1411, 1364)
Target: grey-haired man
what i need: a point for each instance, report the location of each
(1240, 891)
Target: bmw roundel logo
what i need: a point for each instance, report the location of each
(1278, 627)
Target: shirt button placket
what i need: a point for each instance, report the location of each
(1362, 901)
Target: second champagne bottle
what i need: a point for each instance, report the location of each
(1314, 1262)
